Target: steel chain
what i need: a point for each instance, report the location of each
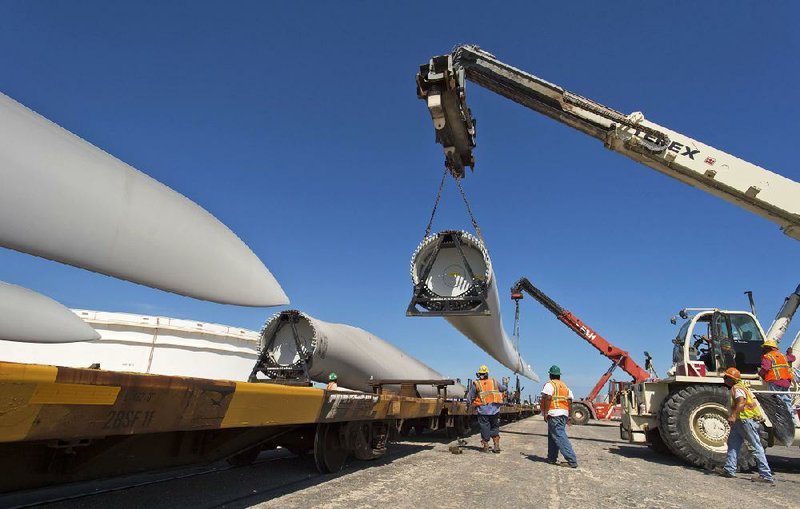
(436, 203)
(469, 209)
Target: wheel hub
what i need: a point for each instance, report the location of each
(710, 426)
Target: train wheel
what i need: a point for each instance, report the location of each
(329, 450)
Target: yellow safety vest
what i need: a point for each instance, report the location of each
(560, 397)
(751, 410)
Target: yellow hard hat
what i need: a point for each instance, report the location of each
(770, 343)
(484, 369)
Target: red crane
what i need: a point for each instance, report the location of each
(583, 409)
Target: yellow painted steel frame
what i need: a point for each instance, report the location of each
(47, 403)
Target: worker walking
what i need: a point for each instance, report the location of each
(776, 370)
(332, 385)
(745, 419)
(486, 394)
(555, 404)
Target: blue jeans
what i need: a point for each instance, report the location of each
(557, 440)
(490, 426)
(787, 398)
(746, 430)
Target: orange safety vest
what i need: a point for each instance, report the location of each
(487, 392)
(560, 398)
(780, 369)
(332, 386)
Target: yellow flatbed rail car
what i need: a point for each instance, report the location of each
(61, 424)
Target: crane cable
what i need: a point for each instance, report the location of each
(516, 324)
(466, 202)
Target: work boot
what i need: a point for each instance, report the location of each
(484, 446)
(496, 441)
(763, 480)
(724, 473)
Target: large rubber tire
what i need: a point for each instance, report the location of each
(693, 424)
(656, 443)
(580, 414)
(782, 422)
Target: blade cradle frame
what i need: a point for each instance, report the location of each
(274, 371)
(437, 266)
(471, 303)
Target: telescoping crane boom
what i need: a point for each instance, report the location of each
(585, 408)
(617, 355)
(441, 83)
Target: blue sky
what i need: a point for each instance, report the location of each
(297, 125)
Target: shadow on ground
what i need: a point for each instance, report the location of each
(646, 454)
(308, 475)
(571, 437)
(777, 462)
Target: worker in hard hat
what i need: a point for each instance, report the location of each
(555, 403)
(332, 385)
(745, 420)
(776, 370)
(487, 395)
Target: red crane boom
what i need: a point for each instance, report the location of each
(618, 356)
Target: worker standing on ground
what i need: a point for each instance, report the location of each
(556, 401)
(776, 370)
(745, 420)
(486, 394)
(332, 385)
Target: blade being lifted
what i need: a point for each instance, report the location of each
(453, 278)
(64, 199)
(33, 318)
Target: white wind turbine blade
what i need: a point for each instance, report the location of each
(355, 355)
(31, 317)
(64, 199)
(438, 269)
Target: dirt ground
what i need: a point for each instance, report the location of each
(421, 472)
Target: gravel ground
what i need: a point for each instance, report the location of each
(421, 472)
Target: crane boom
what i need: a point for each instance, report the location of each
(618, 356)
(441, 83)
